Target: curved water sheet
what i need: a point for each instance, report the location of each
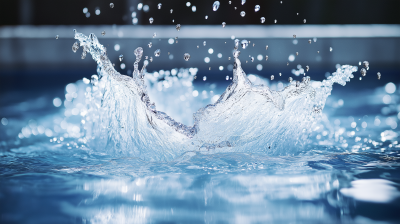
(122, 120)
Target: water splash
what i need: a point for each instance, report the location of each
(121, 118)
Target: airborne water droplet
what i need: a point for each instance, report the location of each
(171, 11)
(204, 78)
(230, 2)
(363, 72)
(243, 1)
(111, 5)
(294, 35)
(151, 59)
(266, 57)
(262, 19)
(275, 21)
(223, 24)
(244, 44)
(309, 41)
(151, 20)
(257, 8)
(378, 75)
(121, 57)
(290, 79)
(204, 43)
(304, 20)
(216, 6)
(56, 37)
(307, 68)
(242, 13)
(272, 77)
(75, 47)
(186, 56)
(366, 64)
(150, 44)
(178, 27)
(252, 59)
(297, 53)
(297, 83)
(266, 47)
(206, 17)
(154, 35)
(157, 53)
(227, 77)
(159, 5)
(103, 33)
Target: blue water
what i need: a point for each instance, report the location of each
(339, 177)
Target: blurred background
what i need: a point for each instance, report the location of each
(33, 61)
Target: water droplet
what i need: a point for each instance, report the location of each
(366, 64)
(216, 6)
(363, 72)
(297, 13)
(244, 44)
(151, 20)
(121, 57)
(266, 57)
(159, 6)
(297, 83)
(204, 78)
(111, 5)
(242, 13)
(280, 74)
(257, 8)
(290, 79)
(154, 35)
(272, 77)
(307, 68)
(170, 11)
(230, 2)
(309, 41)
(318, 52)
(262, 19)
(297, 53)
(151, 59)
(178, 27)
(281, 2)
(229, 58)
(74, 30)
(287, 64)
(223, 24)
(235, 8)
(146, 57)
(236, 53)
(83, 56)
(294, 35)
(197, 46)
(75, 47)
(206, 17)
(359, 63)
(204, 43)
(186, 56)
(252, 59)
(330, 49)
(227, 77)
(150, 44)
(378, 75)
(266, 47)
(56, 37)
(173, 21)
(275, 21)
(157, 53)
(243, 1)
(360, 78)
(304, 21)
(103, 33)
(194, 9)
(188, 4)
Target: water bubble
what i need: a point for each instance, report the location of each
(272, 77)
(103, 33)
(243, 1)
(204, 78)
(304, 21)
(150, 44)
(186, 56)
(378, 75)
(330, 49)
(242, 13)
(75, 47)
(157, 53)
(262, 19)
(194, 9)
(159, 6)
(154, 35)
(206, 17)
(244, 44)
(366, 64)
(216, 6)
(363, 72)
(111, 5)
(204, 43)
(188, 4)
(223, 24)
(170, 11)
(178, 27)
(151, 20)
(257, 8)
(297, 53)
(121, 57)
(309, 41)
(266, 57)
(290, 79)
(307, 68)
